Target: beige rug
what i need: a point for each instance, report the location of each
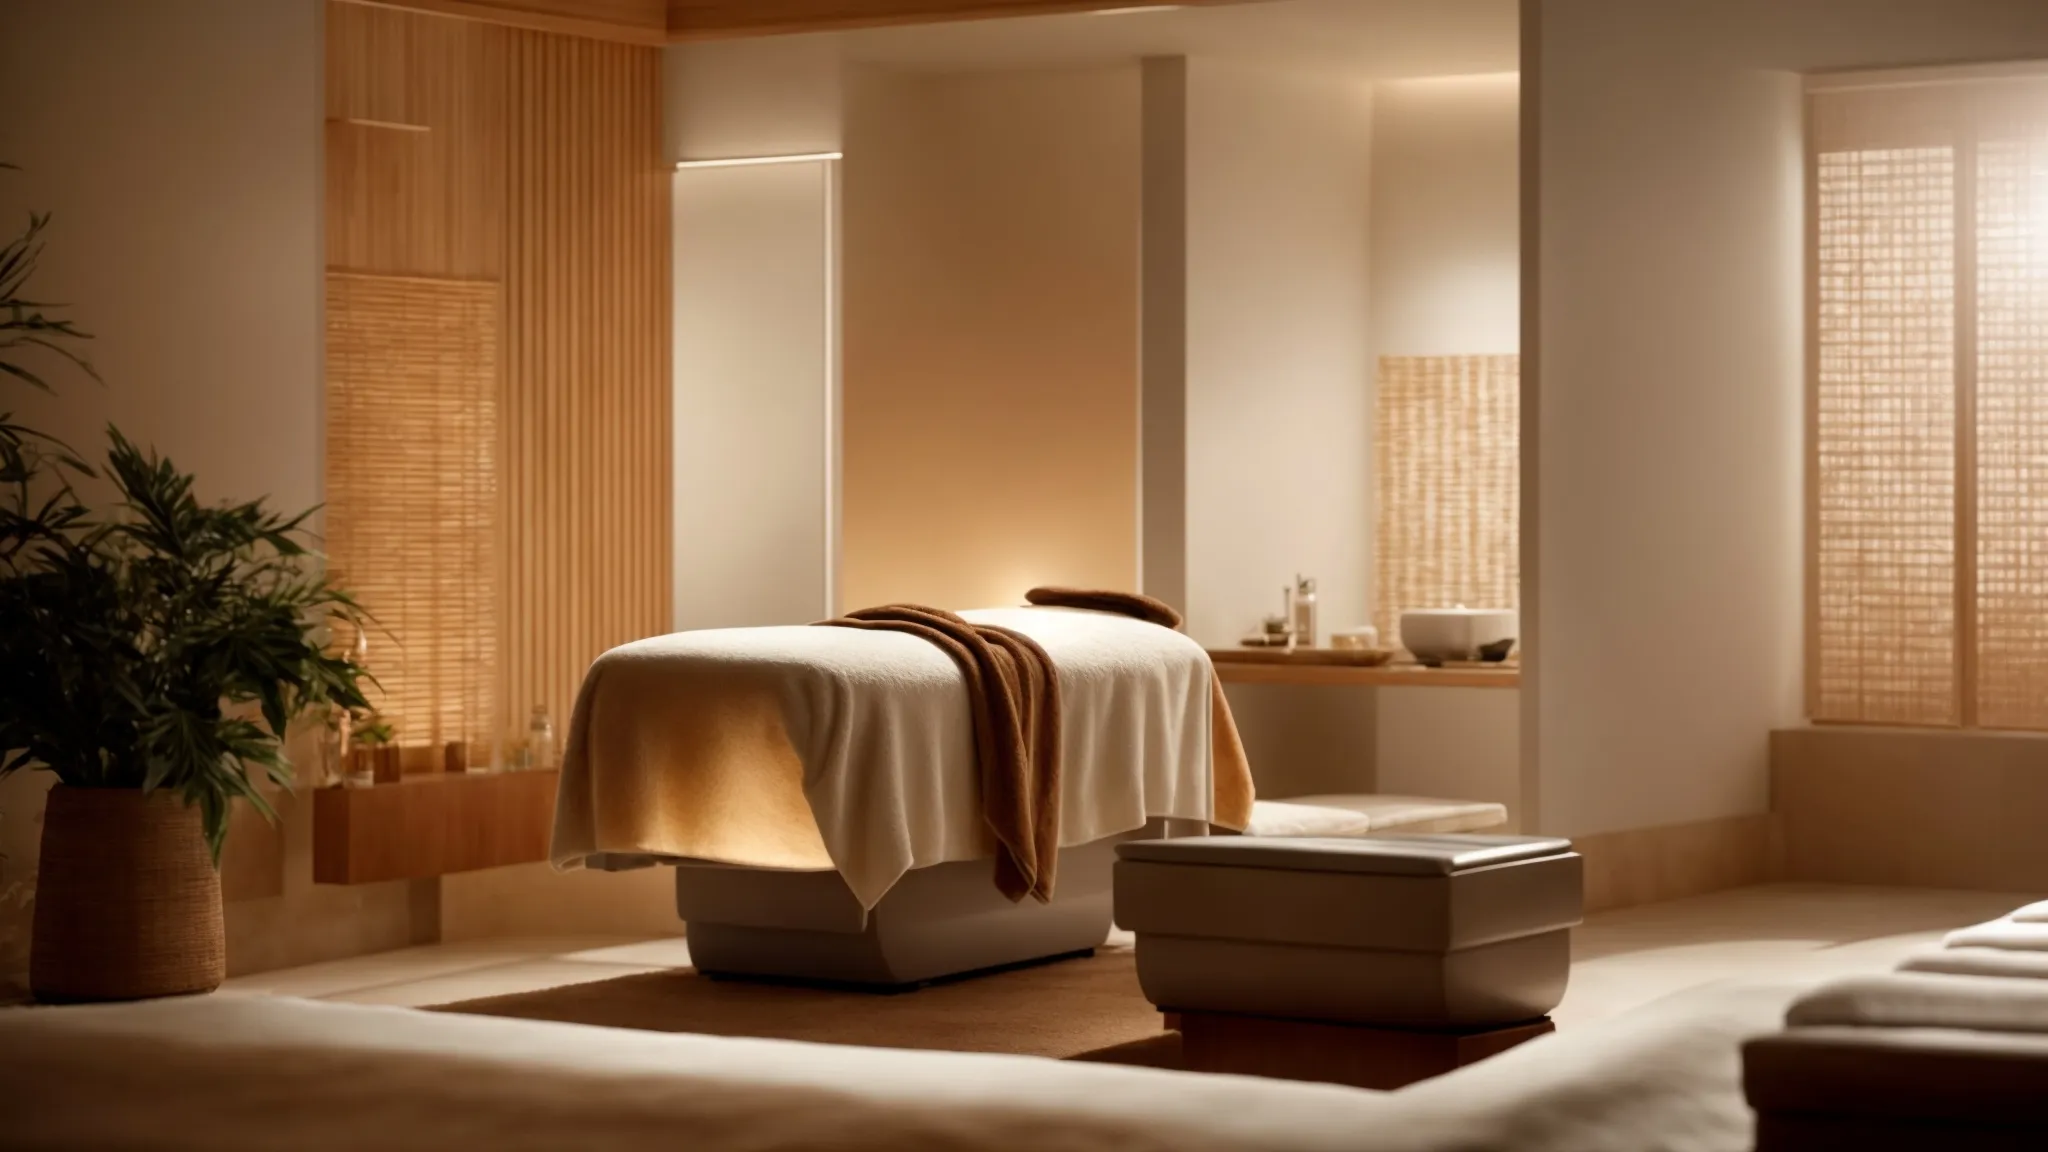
(1087, 1008)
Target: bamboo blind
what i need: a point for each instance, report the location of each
(1930, 433)
(412, 375)
(1448, 430)
(1885, 436)
(2012, 430)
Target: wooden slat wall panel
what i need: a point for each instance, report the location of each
(420, 203)
(541, 169)
(586, 411)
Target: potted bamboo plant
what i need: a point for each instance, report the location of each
(153, 652)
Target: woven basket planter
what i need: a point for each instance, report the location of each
(127, 900)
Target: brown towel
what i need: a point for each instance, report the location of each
(1015, 697)
(1230, 770)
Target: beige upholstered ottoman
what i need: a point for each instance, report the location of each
(1444, 947)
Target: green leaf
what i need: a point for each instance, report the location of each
(154, 778)
(133, 636)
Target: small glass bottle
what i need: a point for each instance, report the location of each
(333, 726)
(540, 739)
(359, 769)
(1304, 609)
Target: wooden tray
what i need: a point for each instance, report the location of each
(1343, 657)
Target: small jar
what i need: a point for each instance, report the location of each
(362, 767)
(540, 739)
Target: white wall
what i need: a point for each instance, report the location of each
(1662, 498)
(755, 363)
(1163, 330)
(1278, 363)
(762, 96)
(1446, 200)
(755, 264)
(990, 395)
(178, 148)
(1462, 743)
(1446, 280)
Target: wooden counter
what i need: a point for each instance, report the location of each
(432, 824)
(1233, 666)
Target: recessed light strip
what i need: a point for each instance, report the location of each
(748, 161)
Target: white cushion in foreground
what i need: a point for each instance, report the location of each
(241, 1072)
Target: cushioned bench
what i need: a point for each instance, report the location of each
(1949, 1051)
(1422, 952)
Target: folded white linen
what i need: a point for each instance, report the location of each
(854, 749)
(2002, 933)
(1979, 962)
(1925, 1000)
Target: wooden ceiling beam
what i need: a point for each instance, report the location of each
(716, 19)
(622, 21)
(658, 22)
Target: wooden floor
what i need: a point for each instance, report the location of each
(1621, 959)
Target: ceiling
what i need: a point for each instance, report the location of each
(1357, 39)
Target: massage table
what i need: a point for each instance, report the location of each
(815, 789)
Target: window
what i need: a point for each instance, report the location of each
(1449, 485)
(412, 492)
(1929, 516)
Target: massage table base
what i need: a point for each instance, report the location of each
(1353, 1054)
(945, 920)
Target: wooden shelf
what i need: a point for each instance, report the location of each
(430, 825)
(1233, 668)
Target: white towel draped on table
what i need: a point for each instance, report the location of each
(814, 748)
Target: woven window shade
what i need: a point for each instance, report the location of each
(2012, 427)
(1931, 403)
(1885, 436)
(412, 433)
(1449, 484)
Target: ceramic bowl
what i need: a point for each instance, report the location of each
(1434, 635)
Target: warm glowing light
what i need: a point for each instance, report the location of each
(1134, 9)
(749, 161)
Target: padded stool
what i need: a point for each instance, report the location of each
(1374, 961)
